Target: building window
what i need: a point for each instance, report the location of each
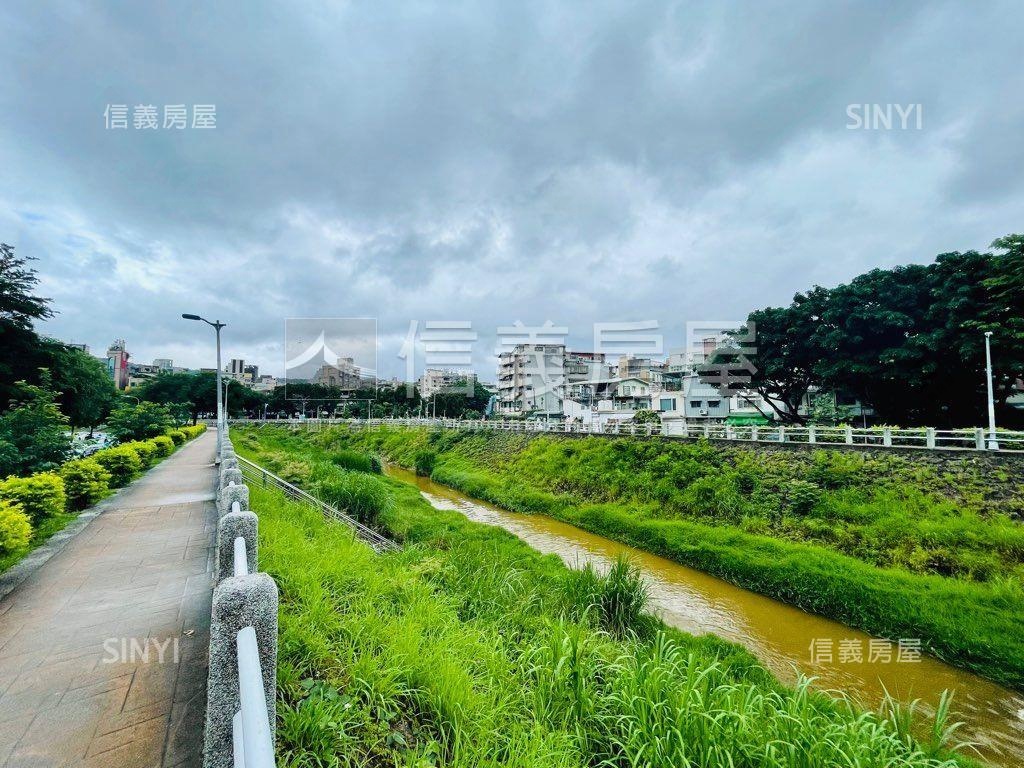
(714, 403)
(695, 403)
(668, 403)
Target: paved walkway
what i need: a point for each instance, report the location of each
(103, 650)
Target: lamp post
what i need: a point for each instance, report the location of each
(993, 445)
(216, 325)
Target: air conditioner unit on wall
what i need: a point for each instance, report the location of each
(703, 411)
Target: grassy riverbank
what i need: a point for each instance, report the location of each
(468, 648)
(833, 533)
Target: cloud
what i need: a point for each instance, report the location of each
(491, 162)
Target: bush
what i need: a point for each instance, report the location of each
(85, 482)
(194, 431)
(362, 496)
(139, 421)
(618, 599)
(122, 462)
(177, 436)
(357, 461)
(15, 528)
(39, 496)
(164, 445)
(145, 450)
(802, 496)
(424, 461)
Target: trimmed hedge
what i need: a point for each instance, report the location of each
(145, 450)
(15, 528)
(164, 445)
(85, 482)
(40, 496)
(122, 462)
(178, 436)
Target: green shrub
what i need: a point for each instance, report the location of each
(360, 495)
(15, 528)
(39, 496)
(177, 436)
(145, 450)
(424, 461)
(802, 495)
(122, 462)
(357, 461)
(194, 431)
(618, 599)
(85, 482)
(164, 445)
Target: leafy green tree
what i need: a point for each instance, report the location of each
(19, 309)
(86, 390)
(34, 435)
(139, 421)
(907, 342)
(646, 416)
(825, 411)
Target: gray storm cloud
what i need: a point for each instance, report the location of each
(491, 161)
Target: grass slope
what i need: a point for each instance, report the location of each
(468, 648)
(655, 496)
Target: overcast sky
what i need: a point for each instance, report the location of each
(491, 162)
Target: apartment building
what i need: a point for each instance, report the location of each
(531, 380)
(435, 380)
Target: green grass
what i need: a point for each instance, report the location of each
(468, 648)
(976, 624)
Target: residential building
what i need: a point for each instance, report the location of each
(265, 383)
(531, 380)
(251, 373)
(140, 372)
(697, 403)
(164, 364)
(435, 380)
(598, 403)
(117, 363)
(345, 375)
(645, 368)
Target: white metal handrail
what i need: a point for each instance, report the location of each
(253, 745)
(241, 565)
(255, 472)
(968, 439)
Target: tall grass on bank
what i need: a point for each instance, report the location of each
(467, 648)
(976, 625)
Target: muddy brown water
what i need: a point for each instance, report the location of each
(786, 639)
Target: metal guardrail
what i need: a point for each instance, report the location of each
(255, 473)
(925, 438)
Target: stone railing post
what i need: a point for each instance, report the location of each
(230, 527)
(238, 602)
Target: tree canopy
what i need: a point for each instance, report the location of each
(907, 342)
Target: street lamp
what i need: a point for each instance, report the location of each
(992, 444)
(216, 325)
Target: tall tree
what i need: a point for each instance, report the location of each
(19, 309)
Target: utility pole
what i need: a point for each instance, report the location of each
(216, 325)
(993, 445)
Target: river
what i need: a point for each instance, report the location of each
(786, 639)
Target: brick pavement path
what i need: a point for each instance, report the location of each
(103, 650)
